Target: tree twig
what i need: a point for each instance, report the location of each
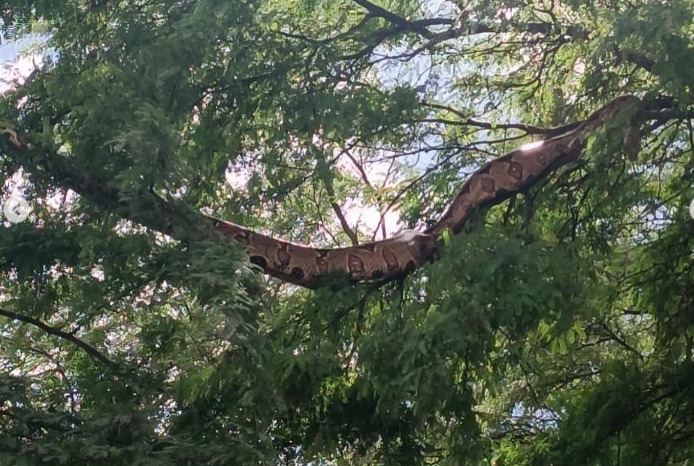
(330, 189)
(89, 349)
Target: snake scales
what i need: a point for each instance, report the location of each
(491, 184)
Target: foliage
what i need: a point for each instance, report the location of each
(557, 331)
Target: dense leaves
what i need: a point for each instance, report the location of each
(557, 330)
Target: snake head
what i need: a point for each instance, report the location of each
(8, 134)
(14, 139)
(422, 245)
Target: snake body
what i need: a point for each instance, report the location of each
(491, 184)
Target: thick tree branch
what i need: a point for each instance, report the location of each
(399, 21)
(89, 349)
(638, 60)
(467, 29)
(142, 206)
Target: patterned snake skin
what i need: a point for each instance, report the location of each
(397, 256)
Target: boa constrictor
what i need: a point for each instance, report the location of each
(493, 183)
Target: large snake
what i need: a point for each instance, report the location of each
(493, 183)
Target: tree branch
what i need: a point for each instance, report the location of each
(529, 129)
(470, 29)
(330, 189)
(365, 178)
(638, 60)
(391, 17)
(89, 349)
(343, 221)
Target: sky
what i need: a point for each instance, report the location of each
(15, 62)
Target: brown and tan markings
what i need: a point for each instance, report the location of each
(491, 184)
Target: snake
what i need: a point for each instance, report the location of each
(397, 256)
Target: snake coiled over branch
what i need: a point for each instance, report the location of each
(394, 257)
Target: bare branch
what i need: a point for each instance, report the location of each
(89, 349)
(330, 189)
(364, 177)
(403, 23)
(343, 221)
(528, 129)
(638, 60)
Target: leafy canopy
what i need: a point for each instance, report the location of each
(558, 331)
